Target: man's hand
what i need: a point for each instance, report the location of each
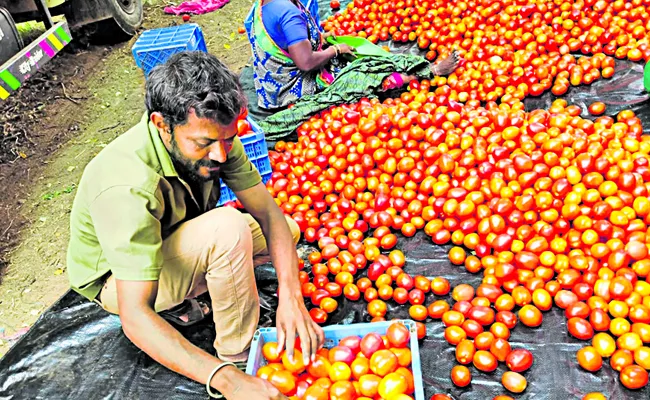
(242, 386)
(292, 318)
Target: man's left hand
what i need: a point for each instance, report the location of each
(292, 318)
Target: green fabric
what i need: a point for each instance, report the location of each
(129, 199)
(361, 78)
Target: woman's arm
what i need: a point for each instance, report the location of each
(308, 60)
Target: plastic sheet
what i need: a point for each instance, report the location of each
(78, 351)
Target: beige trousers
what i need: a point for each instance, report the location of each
(215, 252)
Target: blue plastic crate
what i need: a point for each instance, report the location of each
(155, 46)
(333, 334)
(310, 5)
(258, 153)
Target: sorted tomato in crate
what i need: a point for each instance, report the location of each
(392, 372)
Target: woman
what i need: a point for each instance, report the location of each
(290, 61)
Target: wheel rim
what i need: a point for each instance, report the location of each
(128, 6)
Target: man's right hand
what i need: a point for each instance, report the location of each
(156, 337)
(242, 386)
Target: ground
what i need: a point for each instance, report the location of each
(50, 130)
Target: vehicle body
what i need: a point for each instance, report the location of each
(109, 21)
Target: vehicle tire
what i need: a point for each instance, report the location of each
(126, 19)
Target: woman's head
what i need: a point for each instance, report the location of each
(194, 102)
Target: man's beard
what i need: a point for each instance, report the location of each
(189, 169)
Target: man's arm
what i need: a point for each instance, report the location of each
(292, 314)
(126, 220)
(153, 335)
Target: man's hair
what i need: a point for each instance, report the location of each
(194, 80)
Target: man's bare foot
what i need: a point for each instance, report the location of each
(446, 66)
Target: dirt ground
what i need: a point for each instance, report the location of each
(50, 130)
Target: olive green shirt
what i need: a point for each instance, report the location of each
(129, 200)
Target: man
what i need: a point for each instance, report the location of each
(145, 235)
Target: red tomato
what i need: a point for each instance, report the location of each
(392, 385)
(297, 365)
(485, 361)
(400, 295)
(514, 382)
(482, 315)
(530, 315)
(398, 335)
(465, 351)
(351, 292)
(519, 360)
(316, 392)
(360, 367)
(341, 353)
(342, 391)
(270, 352)
(589, 359)
(383, 362)
(319, 316)
(597, 108)
(340, 371)
(461, 376)
(319, 368)
(634, 377)
(243, 127)
(421, 329)
(580, 328)
(284, 381)
(416, 296)
(351, 342)
(371, 343)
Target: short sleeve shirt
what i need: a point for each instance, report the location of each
(129, 199)
(285, 23)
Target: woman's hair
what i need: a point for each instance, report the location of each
(194, 80)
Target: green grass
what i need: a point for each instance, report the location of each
(57, 193)
(30, 30)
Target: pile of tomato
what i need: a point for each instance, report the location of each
(552, 209)
(512, 48)
(368, 367)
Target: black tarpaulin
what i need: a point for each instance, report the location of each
(78, 351)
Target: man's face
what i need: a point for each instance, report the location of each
(199, 147)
